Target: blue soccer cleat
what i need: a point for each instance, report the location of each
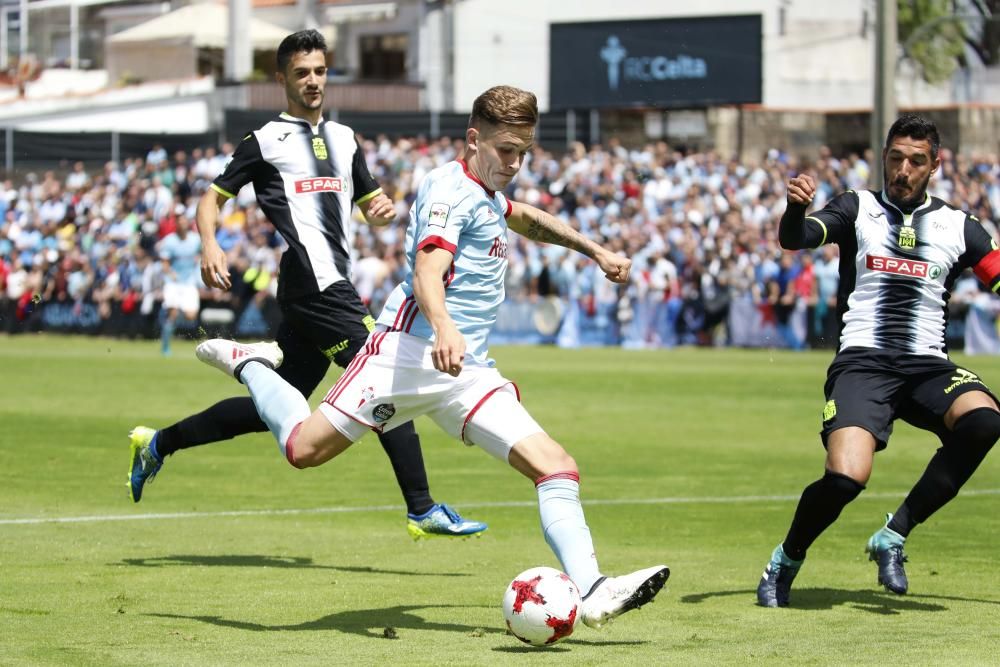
(776, 582)
(143, 460)
(441, 521)
(885, 547)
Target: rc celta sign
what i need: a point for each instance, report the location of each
(692, 62)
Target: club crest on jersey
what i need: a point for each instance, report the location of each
(438, 215)
(319, 148)
(898, 265)
(907, 238)
(319, 184)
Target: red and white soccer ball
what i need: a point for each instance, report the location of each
(541, 606)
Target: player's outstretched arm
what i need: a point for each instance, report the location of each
(538, 225)
(378, 211)
(214, 264)
(428, 289)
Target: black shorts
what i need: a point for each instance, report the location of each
(871, 388)
(335, 322)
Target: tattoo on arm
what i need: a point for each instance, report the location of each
(544, 228)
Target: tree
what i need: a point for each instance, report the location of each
(933, 35)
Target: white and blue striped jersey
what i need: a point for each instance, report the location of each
(455, 211)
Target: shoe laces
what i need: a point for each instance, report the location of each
(897, 551)
(450, 513)
(150, 463)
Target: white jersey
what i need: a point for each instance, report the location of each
(305, 179)
(455, 211)
(897, 269)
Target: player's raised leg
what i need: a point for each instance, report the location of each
(504, 428)
(305, 439)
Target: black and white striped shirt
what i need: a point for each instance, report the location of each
(305, 178)
(896, 269)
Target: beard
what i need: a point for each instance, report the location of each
(299, 97)
(916, 197)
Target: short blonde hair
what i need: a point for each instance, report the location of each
(504, 105)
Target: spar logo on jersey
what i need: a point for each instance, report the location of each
(899, 266)
(309, 186)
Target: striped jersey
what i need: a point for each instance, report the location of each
(455, 211)
(305, 178)
(897, 269)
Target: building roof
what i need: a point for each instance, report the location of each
(204, 24)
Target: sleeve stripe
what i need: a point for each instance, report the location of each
(821, 224)
(510, 209)
(371, 195)
(438, 242)
(222, 192)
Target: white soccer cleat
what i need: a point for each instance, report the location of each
(613, 596)
(230, 357)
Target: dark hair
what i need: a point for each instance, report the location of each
(915, 127)
(303, 41)
(504, 105)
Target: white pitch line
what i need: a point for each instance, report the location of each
(693, 500)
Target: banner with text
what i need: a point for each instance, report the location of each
(675, 63)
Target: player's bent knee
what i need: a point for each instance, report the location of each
(978, 428)
(539, 455)
(843, 487)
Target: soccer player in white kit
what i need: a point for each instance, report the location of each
(428, 355)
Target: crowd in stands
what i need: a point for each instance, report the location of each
(700, 227)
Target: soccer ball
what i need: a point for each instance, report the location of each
(541, 606)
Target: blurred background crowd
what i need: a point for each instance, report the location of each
(79, 246)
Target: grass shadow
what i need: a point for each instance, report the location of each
(250, 560)
(563, 646)
(375, 623)
(388, 622)
(873, 601)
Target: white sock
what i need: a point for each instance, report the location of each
(565, 528)
(279, 404)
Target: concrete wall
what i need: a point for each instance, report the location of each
(152, 61)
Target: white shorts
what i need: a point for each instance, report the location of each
(181, 296)
(392, 380)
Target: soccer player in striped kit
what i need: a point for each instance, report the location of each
(901, 251)
(428, 355)
(307, 173)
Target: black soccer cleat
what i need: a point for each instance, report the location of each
(886, 548)
(776, 582)
(891, 573)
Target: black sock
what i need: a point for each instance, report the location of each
(223, 421)
(402, 445)
(962, 450)
(820, 505)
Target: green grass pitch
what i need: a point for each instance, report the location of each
(694, 458)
